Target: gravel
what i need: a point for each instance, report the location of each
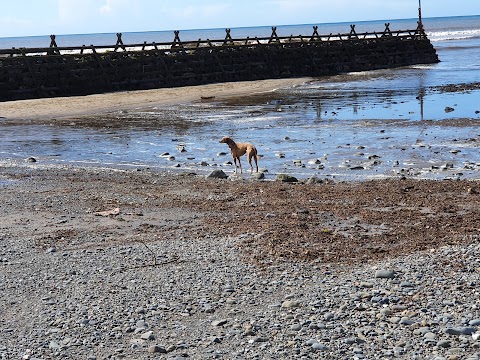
(158, 281)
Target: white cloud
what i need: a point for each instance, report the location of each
(195, 11)
(112, 6)
(14, 22)
(74, 10)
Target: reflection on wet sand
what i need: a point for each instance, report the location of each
(318, 132)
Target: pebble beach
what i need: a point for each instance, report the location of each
(118, 264)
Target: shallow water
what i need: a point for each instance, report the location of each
(291, 137)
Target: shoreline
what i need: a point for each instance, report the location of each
(64, 107)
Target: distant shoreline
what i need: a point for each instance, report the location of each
(63, 107)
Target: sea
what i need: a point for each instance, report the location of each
(355, 126)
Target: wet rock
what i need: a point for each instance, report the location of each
(31, 160)
(314, 180)
(217, 174)
(286, 178)
(449, 109)
(258, 176)
(298, 163)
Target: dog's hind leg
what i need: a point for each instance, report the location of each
(254, 156)
(250, 155)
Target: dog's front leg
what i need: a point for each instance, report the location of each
(235, 162)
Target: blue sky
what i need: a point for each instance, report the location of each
(44, 17)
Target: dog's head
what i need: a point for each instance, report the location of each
(226, 140)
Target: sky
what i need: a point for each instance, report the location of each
(45, 17)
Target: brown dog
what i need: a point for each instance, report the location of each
(239, 149)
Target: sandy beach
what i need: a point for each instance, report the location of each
(53, 108)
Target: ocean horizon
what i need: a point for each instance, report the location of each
(437, 28)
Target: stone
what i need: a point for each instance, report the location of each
(258, 176)
(219, 322)
(147, 336)
(296, 327)
(319, 347)
(444, 344)
(460, 331)
(217, 174)
(328, 316)
(406, 321)
(286, 178)
(384, 274)
(314, 180)
(290, 304)
(260, 340)
(474, 322)
(156, 349)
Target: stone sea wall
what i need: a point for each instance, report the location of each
(59, 71)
